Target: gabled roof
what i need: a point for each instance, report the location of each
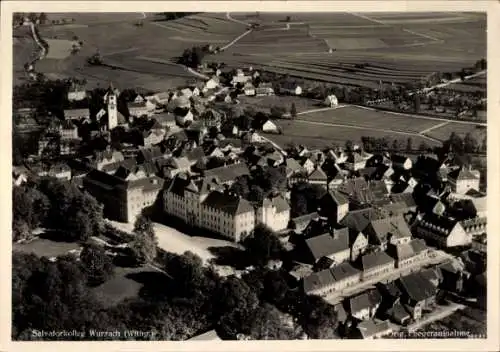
(326, 244)
(228, 203)
(399, 159)
(229, 173)
(395, 225)
(301, 222)
(365, 300)
(318, 175)
(337, 197)
(401, 251)
(439, 225)
(463, 174)
(317, 280)
(358, 220)
(369, 328)
(406, 198)
(343, 271)
(278, 202)
(151, 153)
(417, 287)
(372, 260)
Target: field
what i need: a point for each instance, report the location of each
(265, 103)
(45, 247)
(444, 132)
(59, 48)
(398, 48)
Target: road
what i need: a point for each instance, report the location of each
(434, 316)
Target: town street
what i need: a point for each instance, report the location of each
(436, 258)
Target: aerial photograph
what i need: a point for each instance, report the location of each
(183, 176)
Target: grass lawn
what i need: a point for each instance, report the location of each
(45, 248)
(355, 116)
(126, 283)
(443, 133)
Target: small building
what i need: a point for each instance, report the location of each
(393, 229)
(212, 83)
(355, 162)
(334, 247)
(76, 114)
(325, 282)
(60, 171)
(144, 108)
(264, 89)
(365, 305)
(370, 329)
(401, 162)
(249, 89)
(274, 213)
(331, 101)
(463, 180)
(76, 93)
(300, 223)
(318, 177)
(418, 294)
(290, 89)
(334, 205)
(408, 253)
(270, 127)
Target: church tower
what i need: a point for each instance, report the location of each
(111, 102)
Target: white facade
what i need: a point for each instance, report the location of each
(112, 111)
(268, 215)
(77, 95)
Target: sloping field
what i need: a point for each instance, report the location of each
(318, 136)
(360, 117)
(443, 133)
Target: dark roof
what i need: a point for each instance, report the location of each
(150, 153)
(399, 159)
(417, 287)
(326, 244)
(372, 260)
(418, 245)
(229, 173)
(301, 222)
(462, 174)
(358, 220)
(440, 225)
(399, 312)
(401, 251)
(337, 197)
(343, 271)
(365, 300)
(368, 328)
(278, 202)
(228, 203)
(395, 225)
(406, 198)
(318, 280)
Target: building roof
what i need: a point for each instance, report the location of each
(357, 189)
(369, 328)
(359, 220)
(401, 251)
(326, 244)
(365, 300)
(278, 202)
(463, 174)
(399, 159)
(343, 271)
(373, 260)
(394, 225)
(417, 287)
(399, 312)
(418, 245)
(318, 175)
(439, 225)
(406, 198)
(207, 336)
(229, 173)
(337, 197)
(228, 203)
(150, 153)
(317, 280)
(301, 222)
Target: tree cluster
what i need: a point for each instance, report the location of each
(55, 205)
(262, 182)
(305, 198)
(193, 57)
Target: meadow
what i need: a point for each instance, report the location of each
(443, 133)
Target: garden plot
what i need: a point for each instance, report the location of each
(59, 48)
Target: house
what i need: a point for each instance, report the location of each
(274, 213)
(270, 127)
(334, 205)
(308, 165)
(358, 190)
(294, 170)
(406, 201)
(290, 88)
(19, 175)
(392, 229)
(107, 157)
(151, 154)
(160, 98)
(264, 89)
(375, 264)
(407, 253)
(401, 162)
(474, 227)
(183, 117)
(452, 273)
(211, 118)
(318, 177)
(166, 120)
(212, 83)
(76, 114)
(333, 246)
(325, 282)
(358, 243)
(77, 93)
(240, 78)
(228, 174)
(370, 329)
(60, 171)
(365, 305)
(358, 220)
(418, 294)
(299, 223)
(139, 109)
(331, 101)
(462, 180)
(249, 89)
(355, 162)
(251, 137)
(202, 203)
(442, 231)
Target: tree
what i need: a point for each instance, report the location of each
(43, 18)
(97, 265)
(319, 318)
(263, 245)
(236, 295)
(241, 186)
(277, 112)
(293, 111)
(470, 144)
(416, 103)
(144, 247)
(348, 145)
(83, 218)
(423, 146)
(409, 144)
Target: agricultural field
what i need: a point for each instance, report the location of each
(443, 132)
(265, 103)
(370, 119)
(318, 135)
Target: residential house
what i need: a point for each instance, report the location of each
(166, 120)
(475, 226)
(388, 229)
(139, 109)
(77, 93)
(251, 137)
(308, 165)
(408, 253)
(290, 88)
(264, 89)
(334, 205)
(274, 213)
(211, 118)
(124, 194)
(270, 127)
(365, 305)
(375, 264)
(442, 231)
(333, 246)
(151, 154)
(249, 89)
(355, 162)
(325, 282)
(240, 78)
(183, 117)
(161, 98)
(418, 294)
(360, 192)
(406, 201)
(318, 177)
(452, 273)
(299, 223)
(331, 101)
(60, 171)
(212, 83)
(294, 171)
(370, 329)
(107, 157)
(400, 162)
(358, 243)
(358, 220)
(462, 180)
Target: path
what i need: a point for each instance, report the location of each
(435, 316)
(228, 16)
(445, 84)
(434, 127)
